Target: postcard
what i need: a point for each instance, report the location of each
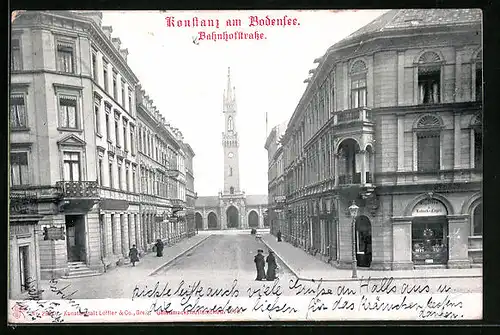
(187, 166)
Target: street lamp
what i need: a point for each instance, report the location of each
(353, 209)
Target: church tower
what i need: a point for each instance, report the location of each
(230, 141)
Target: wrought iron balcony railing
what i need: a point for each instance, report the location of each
(78, 189)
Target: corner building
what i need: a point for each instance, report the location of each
(74, 159)
(391, 119)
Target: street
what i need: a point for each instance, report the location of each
(217, 260)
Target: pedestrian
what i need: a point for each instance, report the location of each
(134, 255)
(271, 266)
(159, 248)
(260, 265)
(278, 235)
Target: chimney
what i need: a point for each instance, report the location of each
(117, 42)
(107, 31)
(95, 16)
(124, 53)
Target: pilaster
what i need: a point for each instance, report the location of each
(125, 235)
(458, 231)
(401, 244)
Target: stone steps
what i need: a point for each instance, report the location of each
(79, 270)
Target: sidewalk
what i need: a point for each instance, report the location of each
(305, 266)
(118, 281)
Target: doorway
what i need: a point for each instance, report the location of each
(75, 238)
(253, 219)
(232, 217)
(363, 241)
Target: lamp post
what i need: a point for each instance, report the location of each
(353, 209)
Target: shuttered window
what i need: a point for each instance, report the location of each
(428, 149)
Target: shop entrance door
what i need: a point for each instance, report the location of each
(429, 240)
(75, 237)
(363, 241)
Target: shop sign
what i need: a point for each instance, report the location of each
(20, 230)
(429, 207)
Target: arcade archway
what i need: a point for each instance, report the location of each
(212, 221)
(253, 219)
(198, 219)
(232, 217)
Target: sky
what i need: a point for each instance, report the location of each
(186, 80)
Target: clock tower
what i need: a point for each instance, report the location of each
(230, 141)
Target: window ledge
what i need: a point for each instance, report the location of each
(72, 130)
(19, 129)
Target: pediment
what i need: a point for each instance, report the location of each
(71, 140)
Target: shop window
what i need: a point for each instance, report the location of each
(24, 266)
(477, 221)
(19, 171)
(72, 166)
(18, 113)
(65, 57)
(429, 241)
(429, 78)
(428, 138)
(68, 117)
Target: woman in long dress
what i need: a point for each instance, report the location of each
(134, 255)
(260, 264)
(271, 266)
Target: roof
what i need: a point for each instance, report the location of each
(210, 201)
(253, 200)
(412, 18)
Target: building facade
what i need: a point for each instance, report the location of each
(391, 120)
(232, 208)
(73, 149)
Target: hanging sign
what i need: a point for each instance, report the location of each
(429, 207)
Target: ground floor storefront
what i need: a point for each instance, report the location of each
(392, 231)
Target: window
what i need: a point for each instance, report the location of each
(428, 144)
(111, 179)
(133, 179)
(19, 174)
(65, 57)
(231, 190)
(67, 112)
(478, 149)
(230, 171)
(71, 166)
(97, 112)
(108, 128)
(113, 236)
(479, 82)
(123, 94)
(18, 115)
(429, 78)
(132, 141)
(127, 175)
(230, 123)
(117, 131)
(105, 75)
(129, 99)
(358, 85)
(16, 63)
(115, 86)
(94, 66)
(120, 186)
(125, 135)
(24, 267)
(100, 168)
(477, 221)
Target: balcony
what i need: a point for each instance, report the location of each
(81, 195)
(173, 172)
(363, 114)
(120, 152)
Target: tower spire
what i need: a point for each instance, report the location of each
(229, 91)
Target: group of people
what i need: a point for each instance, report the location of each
(260, 264)
(133, 253)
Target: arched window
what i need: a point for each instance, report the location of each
(231, 190)
(230, 125)
(476, 151)
(358, 84)
(428, 142)
(429, 78)
(230, 171)
(477, 221)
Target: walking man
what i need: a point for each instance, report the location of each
(278, 235)
(260, 265)
(159, 248)
(134, 255)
